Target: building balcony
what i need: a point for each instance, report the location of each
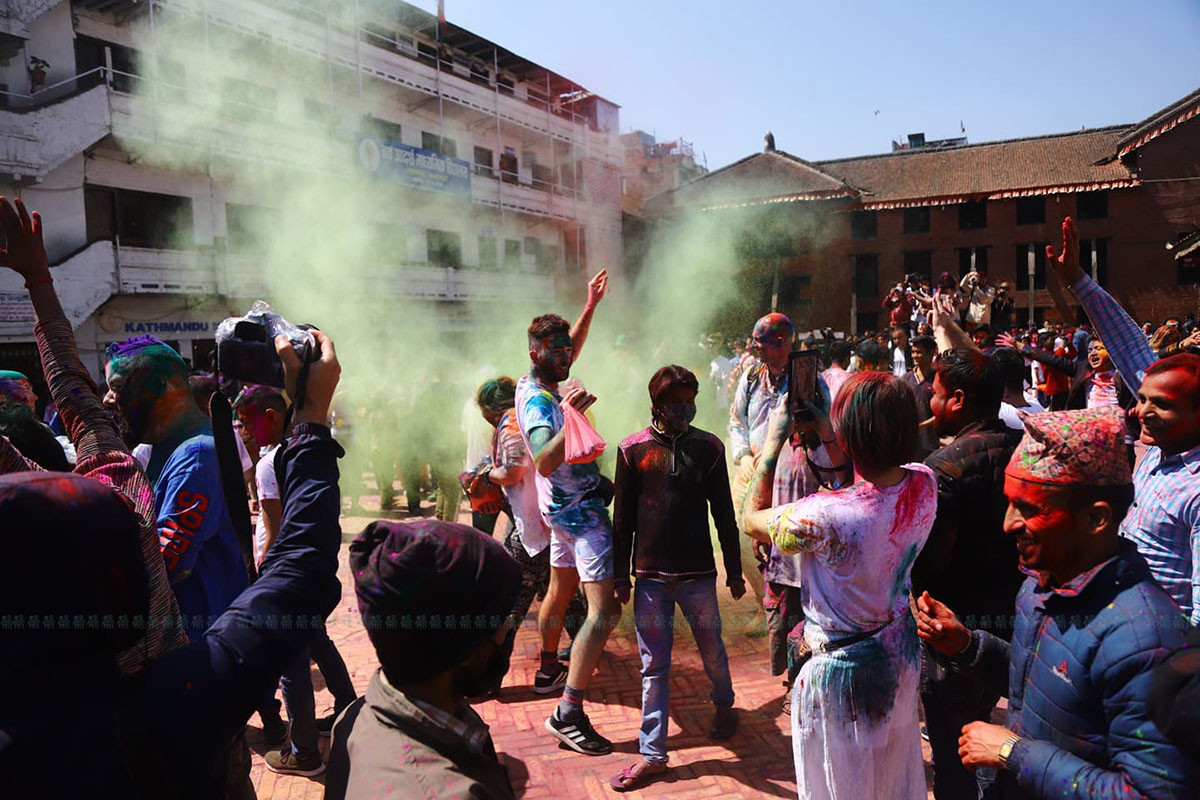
(404, 66)
(243, 275)
(39, 132)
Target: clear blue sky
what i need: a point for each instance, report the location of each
(721, 73)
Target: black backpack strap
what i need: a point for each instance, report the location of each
(233, 485)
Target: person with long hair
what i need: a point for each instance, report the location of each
(854, 710)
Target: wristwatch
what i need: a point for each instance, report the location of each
(1006, 749)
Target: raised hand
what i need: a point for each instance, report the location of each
(1066, 263)
(938, 625)
(597, 288)
(323, 377)
(1007, 340)
(25, 254)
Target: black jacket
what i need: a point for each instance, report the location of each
(664, 491)
(969, 562)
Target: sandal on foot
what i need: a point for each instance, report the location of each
(638, 775)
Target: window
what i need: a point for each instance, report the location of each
(1093, 258)
(512, 253)
(387, 244)
(439, 144)
(483, 162)
(972, 215)
(246, 227)
(964, 260)
(543, 176)
(863, 224)
(508, 166)
(443, 248)
(487, 251)
(1092, 205)
(320, 113)
(867, 321)
(918, 261)
(916, 220)
(247, 101)
(139, 219)
(793, 290)
(381, 129)
(1187, 272)
(866, 275)
(1031, 210)
(1023, 251)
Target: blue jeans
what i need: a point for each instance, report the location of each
(654, 619)
(298, 690)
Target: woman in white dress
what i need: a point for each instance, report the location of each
(855, 733)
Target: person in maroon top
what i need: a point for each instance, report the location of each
(670, 476)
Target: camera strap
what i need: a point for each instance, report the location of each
(233, 484)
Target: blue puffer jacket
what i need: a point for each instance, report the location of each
(1078, 676)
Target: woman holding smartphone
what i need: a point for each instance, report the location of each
(854, 710)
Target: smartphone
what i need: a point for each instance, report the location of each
(802, 383)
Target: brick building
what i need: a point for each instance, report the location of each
(825, 241)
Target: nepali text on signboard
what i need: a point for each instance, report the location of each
(413, 166)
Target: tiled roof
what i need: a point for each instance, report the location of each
(770, 176)
(1014, 168)
(1160, 122)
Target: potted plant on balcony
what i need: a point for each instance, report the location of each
(37, 71)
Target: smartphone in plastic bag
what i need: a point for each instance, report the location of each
(803, 366)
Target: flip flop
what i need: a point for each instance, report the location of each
(637, 775)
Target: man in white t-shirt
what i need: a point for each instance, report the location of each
(262, 412)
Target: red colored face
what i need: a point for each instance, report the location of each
(1168, 411)
(1049, 534)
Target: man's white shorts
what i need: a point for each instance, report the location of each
(588, 549)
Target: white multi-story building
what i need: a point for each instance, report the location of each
(509, 172)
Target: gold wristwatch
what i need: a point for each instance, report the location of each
(1006, 749)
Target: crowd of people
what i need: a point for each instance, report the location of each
(962, 512)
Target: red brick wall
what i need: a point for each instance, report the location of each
(1141, 272)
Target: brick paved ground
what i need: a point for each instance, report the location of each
(756, 763)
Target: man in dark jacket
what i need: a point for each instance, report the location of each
(668, 478)
(967, 556)
(165, 730)
(1175, 696)
(434, 597)
(1091, 626)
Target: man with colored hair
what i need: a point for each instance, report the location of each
(15, 388)
(1164, 521)
(1091, 626)
(148, 388)
(573, 500)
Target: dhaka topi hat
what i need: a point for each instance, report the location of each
(1073, 448)
(430, 592)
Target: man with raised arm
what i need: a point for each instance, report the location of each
(573, 500)
(1164, 520)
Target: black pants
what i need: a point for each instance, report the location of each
(951, 700)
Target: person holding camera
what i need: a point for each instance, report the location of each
(855, 731)
(978, 297)
(160, 714)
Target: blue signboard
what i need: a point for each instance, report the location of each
(413, 166)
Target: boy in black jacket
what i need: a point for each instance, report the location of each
(669, 477)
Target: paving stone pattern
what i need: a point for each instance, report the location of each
(757, 762)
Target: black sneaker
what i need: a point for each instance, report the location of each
(325, 724)
(285, 762)
(550, 682)
(578, 734)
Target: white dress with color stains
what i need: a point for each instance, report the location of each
(855, 733)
